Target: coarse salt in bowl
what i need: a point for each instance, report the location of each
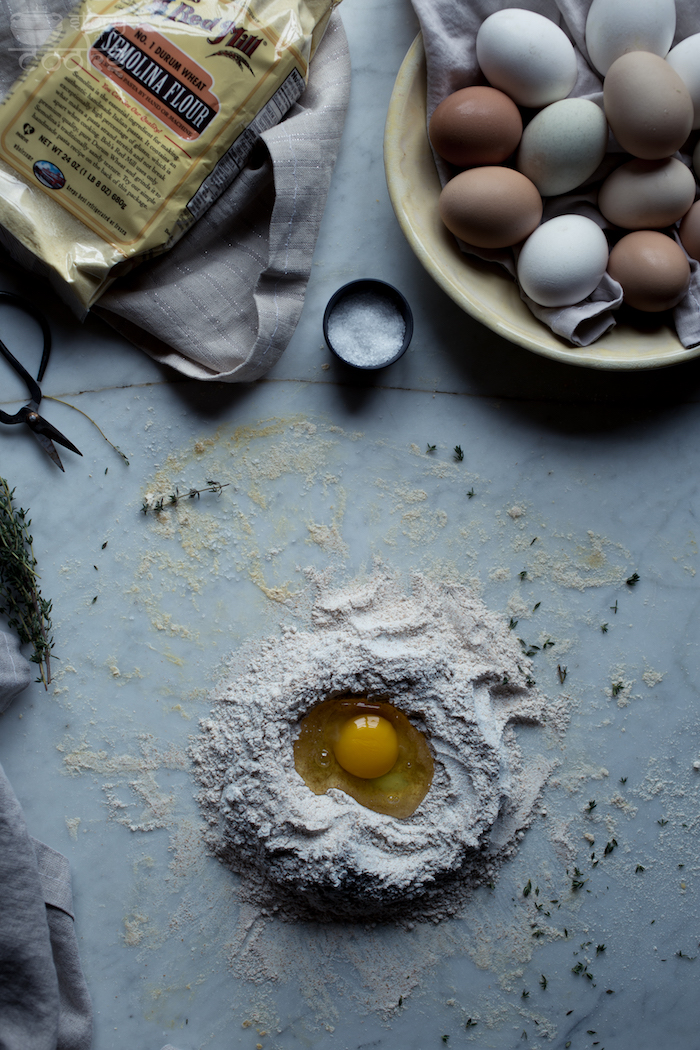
(368, 324)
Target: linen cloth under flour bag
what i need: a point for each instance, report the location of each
(130, 123)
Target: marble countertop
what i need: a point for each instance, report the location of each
(572, 481)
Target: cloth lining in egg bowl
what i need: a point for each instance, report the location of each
(449, 30)
(456, 671)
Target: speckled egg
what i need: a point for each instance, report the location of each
(648, 106)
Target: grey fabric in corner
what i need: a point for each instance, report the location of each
(15, 671)
(44, 1002)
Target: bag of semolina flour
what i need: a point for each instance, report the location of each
(139, 119)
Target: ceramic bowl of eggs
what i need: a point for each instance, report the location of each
(551, 190)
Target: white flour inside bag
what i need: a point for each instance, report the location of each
(456, 671)
(133, 120)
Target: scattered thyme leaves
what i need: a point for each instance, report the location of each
(512, 624)
(470, 494)
(604, 628)
(614, 607)
(527, 888)
(639, 868)
(459, 454)
(591, 805)
(543, 982)
(561, 671)
(523, 574)
(471, 1023)
(682, 955)
(609, 847)
(599, 949)
(524, 994)
(430, 448)
(105, 544)
(617, 688)
(578, 881)
(623, 780)
(632, 580)
(536, 606)
(20, 597)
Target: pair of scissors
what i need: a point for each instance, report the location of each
(43, 431)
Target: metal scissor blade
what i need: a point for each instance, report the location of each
(46, 433)
(48, 446)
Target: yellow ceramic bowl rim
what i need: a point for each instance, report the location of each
(484, 290)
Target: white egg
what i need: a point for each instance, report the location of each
(614, 27)
(563, 145)
(527, 56)
(563, 261)
(685, 59)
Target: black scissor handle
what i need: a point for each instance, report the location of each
(12, 299)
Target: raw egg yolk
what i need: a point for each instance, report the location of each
(367, 746)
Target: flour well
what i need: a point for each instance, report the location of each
(457, 672)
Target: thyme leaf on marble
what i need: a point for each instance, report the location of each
(512, 624)
(543, 982)
(604, 628)
(20, 597)
(614, 607)
(471, 494)
(609, 847)
(631, 580)
(523, 574)
(623, 780)
(562, 672)
(527, 888)
(459, 454)
(430, 448)
(158, 503)
(591, 805)
(471, 1023)
(617, 688)
(639, 868)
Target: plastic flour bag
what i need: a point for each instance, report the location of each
(133, 120)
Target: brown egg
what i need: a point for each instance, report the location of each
(647, 194)
(490, 207)
(475, 125)
(690, 232)
(652, 269)
(648, 106)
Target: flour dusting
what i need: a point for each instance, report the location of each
(459, 675)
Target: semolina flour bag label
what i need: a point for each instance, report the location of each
(137, 116)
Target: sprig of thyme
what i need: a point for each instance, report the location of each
(27, 612)
(158, 503)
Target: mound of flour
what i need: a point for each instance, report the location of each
(455, 670)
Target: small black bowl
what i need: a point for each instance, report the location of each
(381, 290)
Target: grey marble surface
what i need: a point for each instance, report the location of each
(577, 478)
